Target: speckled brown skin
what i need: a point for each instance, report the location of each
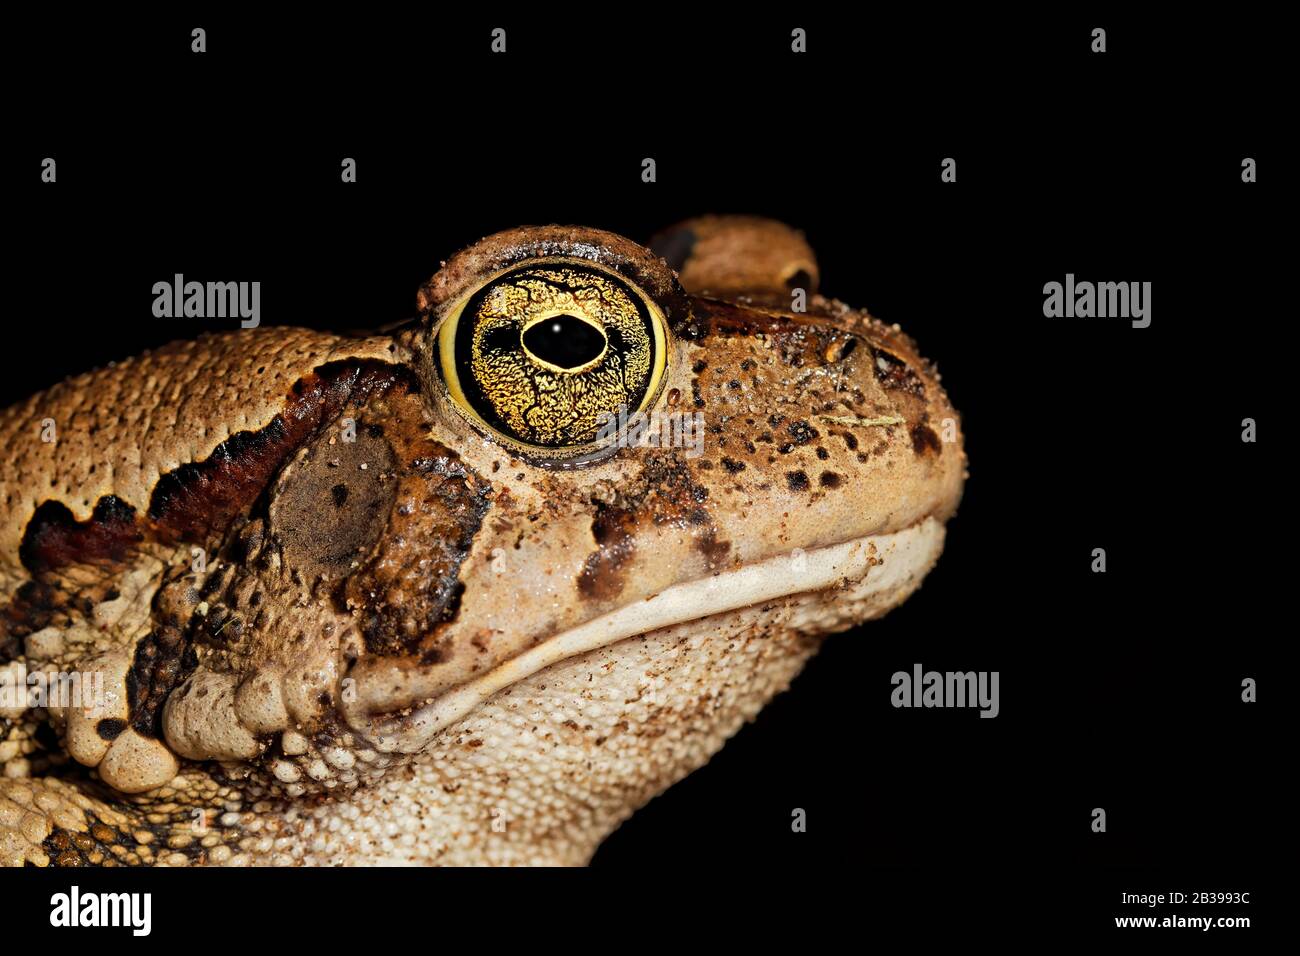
(368, 560)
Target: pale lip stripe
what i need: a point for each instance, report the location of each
(903, 554)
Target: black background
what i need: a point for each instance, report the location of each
(1118, 690)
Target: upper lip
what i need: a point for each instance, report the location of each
(789, 573)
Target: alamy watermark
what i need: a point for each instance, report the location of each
(208, 300)
(75, 908)
(946, 689)
(1098, 300)
(20, 689)
(654, 430)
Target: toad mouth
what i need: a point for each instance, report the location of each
(874, 566)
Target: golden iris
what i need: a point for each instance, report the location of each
(542, 355)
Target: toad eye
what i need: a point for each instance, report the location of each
(544, 356)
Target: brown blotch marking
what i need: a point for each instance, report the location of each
(614, 532)
(733, 466)
(822, 453)
(924, 440)
(54, 538)
(801, 433)
(110, 728)
(830, 479)
(715, 552)
(797, 480)
(436, 655)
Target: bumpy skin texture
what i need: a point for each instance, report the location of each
(281, 551)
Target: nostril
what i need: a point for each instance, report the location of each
(839, 350)
(564, 341)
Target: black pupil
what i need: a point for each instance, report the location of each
(564, 341)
